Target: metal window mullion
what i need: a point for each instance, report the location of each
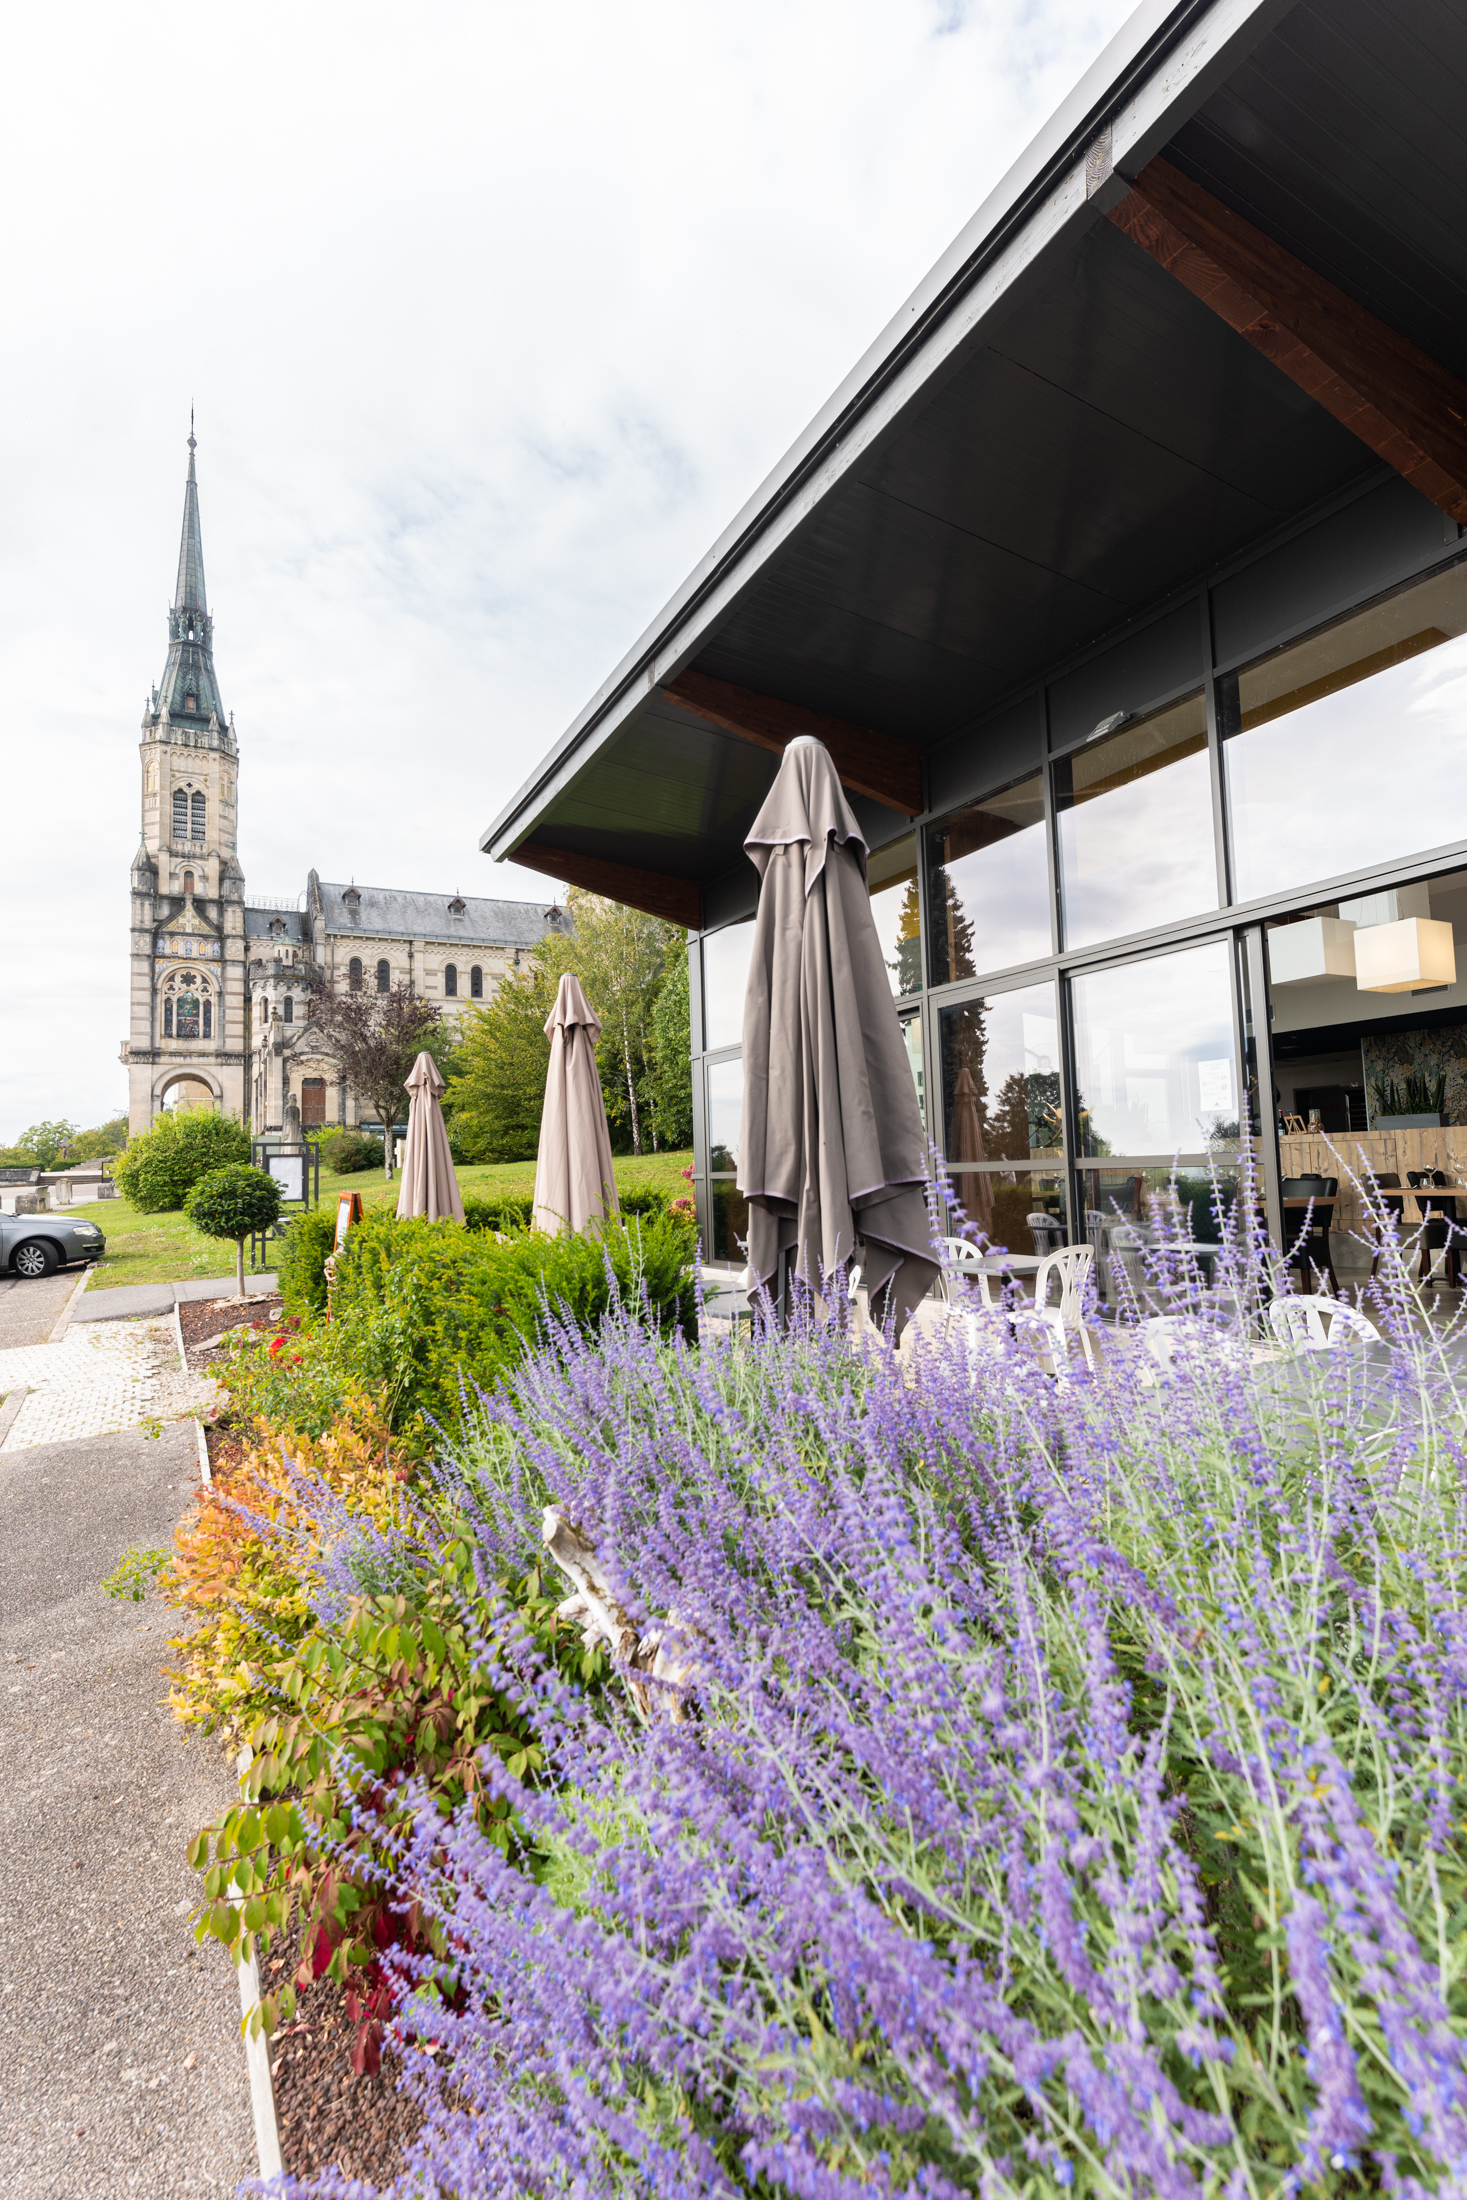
(1221, 846)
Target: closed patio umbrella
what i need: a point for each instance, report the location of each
(832, 1152)
(575, 1182)
(428, 1185)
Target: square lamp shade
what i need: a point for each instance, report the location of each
(1319, 947)
(1404, 957)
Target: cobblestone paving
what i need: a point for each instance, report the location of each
(99, 1379)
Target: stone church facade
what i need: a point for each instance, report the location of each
(221, 983)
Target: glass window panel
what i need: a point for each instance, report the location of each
(1135, 827)
(725, 976)
(999, 1202)
(725, 1114)
(988, 884)
(912, 1041)
(1155, 1055)
(891, 874)
(1352, 746)
(187, 1024)
(1001, 1077)
(730, 1211)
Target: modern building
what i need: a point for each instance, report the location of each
(1125, 580)
(220, 981)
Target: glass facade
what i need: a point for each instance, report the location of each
(988, 884)
(1082, 1090)
(1156, 1068)
(1135, 827)
(1310, 731)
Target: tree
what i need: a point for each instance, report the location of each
(231, 1203)
(672, 1054)
(498, 1093)
(377, 1037)
(621, 959)
(44, 1144)
(162, 1164)
(100, 1144)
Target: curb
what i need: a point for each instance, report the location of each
(262, 2085)
(10, 1411)
(206, 1472)
(63, 1320)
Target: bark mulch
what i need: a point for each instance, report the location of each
(329, 2117)
(204, 1321)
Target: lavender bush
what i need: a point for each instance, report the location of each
(1062, 1792)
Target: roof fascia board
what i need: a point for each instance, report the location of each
(1198, 45)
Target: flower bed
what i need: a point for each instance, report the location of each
(1047, 1787)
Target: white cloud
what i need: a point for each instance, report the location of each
(493, 316)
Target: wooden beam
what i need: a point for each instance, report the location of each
(655, 893)
(1407, 408)
(870, 763)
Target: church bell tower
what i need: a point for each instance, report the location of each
(188, 1043)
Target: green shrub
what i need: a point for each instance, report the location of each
(160, 1166)
(304, 1247)
(347, 1153)
(501, 1211)
(424, 1313)
(232, 1203)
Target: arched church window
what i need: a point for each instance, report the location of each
(168, 1018)
(354, 973)
(188, 882)
(180, 813)
(289, 1009)
(476, 984)
(450, 980)
(198, 817)
(186, 1017)
(208, 1017)
(384, 976)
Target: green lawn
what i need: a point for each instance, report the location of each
(168, 1249)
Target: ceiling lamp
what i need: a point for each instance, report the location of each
(1407, 957)
(1318, 947)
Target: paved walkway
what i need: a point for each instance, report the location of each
(123, 2069)
(98, 1379)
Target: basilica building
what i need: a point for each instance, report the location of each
(221, 980)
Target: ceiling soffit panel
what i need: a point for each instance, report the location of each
(669, 792)
(1345, 140)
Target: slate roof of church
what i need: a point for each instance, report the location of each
(390, 912)
(257, 923)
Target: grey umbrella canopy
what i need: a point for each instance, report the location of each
(429, 1182)
(832, 1152)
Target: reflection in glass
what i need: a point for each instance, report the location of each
(725, 1113)
(988, 884)
(999, 1202)
(891, 875)
(1320, 723)
(1001, 1077)
(912, 1040)
(730, 1216)
(725, 975)
(1135, 827)
(1155, 1057)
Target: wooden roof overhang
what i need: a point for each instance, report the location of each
(1226, 282)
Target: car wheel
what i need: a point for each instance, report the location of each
(35, 1258)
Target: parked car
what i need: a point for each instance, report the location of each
(37, 1245)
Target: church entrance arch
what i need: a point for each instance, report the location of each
(190, 1088)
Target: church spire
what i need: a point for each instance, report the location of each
(189, 594)
(190, 690)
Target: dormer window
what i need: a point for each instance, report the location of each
(353, 901)
(277, 928)
(457, 906)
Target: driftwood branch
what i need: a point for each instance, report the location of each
(665, 1654)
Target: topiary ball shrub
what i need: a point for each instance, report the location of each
(160, 1165)
(232, 1203)
(348, 1153)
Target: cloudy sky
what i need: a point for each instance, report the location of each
(492, 315)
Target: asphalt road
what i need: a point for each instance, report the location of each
(30, 1306)
(103, 1997)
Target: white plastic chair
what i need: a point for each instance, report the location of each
(960, 1258)
(1299, 1322)
(1072, 1264)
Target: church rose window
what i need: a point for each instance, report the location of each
(354, 973)
(180, 814)
(384, 977)
(198, 816)
(450, 980)
(476, 983)
(186, 1023)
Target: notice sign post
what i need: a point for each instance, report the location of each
(297, 1170)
